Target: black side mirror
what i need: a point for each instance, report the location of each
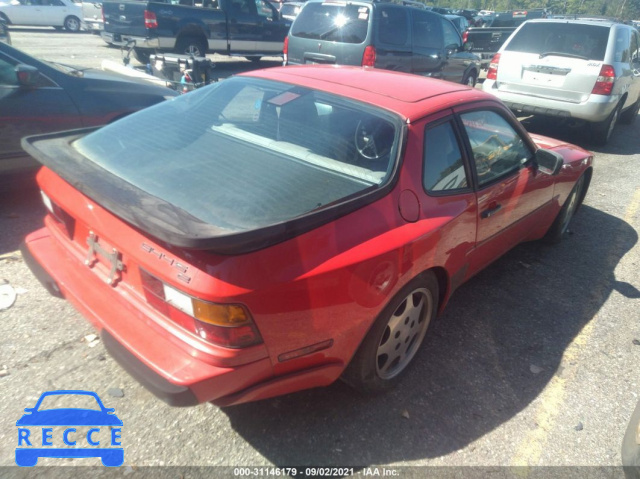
(549, 162)
(27, 75)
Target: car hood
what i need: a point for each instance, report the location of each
(69, 417)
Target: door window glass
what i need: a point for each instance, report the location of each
(498, 150)
(393, 26)
(443, 164)
(427, 30)
(7, 73)
(451, 36)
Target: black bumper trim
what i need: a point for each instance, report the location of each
(39, 272)
(172, 394)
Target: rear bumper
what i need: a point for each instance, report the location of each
(596, 109)
(150, 354)
(122, 40)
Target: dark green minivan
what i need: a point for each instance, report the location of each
(383, 35)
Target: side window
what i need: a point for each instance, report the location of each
(264, 9)
(498, 150)
(426, 30)
(451, 36)
(635, 51)
(622, 45)
(443, 164)
(393, 26)
(8, 75)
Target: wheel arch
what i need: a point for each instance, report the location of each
(444, 283)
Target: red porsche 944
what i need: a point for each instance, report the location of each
(288, 227)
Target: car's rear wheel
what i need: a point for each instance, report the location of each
(561, 224)
(602, 131)
(629, 116)
(72, 24)
(191, 46)
(395, 337)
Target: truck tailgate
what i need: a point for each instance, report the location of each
(125, 17)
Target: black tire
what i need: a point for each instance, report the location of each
(470, 79)
(72, 24)
(561, 224)
(602, 131)
(191, 46)
(629, 116)
(59, 29)
(141, 55)
(254, 59)
(371, 369)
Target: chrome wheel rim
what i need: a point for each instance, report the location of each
(73, 24)
(404, 333)
(193, 50)
(571, 207)
(470, 81)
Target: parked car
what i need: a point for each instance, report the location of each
(4, 32)
(317, 220)
(43, 13)
(571, 69)
(92, 16)
(40, 97)
(290, 10)
(381, 35)
(460, 22)
(250, 28)
(490, 32)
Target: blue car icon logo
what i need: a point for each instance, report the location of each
(58, 429)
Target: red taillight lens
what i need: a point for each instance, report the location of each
(285, 49)
(150, 20)
(604, 82)
(465, 36)
(102, 10)
(369, 56)
(228, 325)
(492, 74)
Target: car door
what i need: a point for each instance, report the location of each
(428, 44)
(25, 12)
(271, 29)
(392, 40)
(53, 12)
(512, 195)
(455, 61)
(634, 88)
(29, 110)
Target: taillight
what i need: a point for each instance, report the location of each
(228, 325)
(285, 49)
(465, 36)
(604, 82)
(102, 10)
(492, 74)
(369, 56)
(64, 219)
(150, 20)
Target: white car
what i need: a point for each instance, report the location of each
(46, 13)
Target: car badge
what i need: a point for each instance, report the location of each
(121, 7)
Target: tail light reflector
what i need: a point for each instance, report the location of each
(369, 56)
(604, 82)
(492, 74)
(228, 325)
(64, 219)
(465, 36)
(150, 20)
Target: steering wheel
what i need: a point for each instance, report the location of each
(373, 138)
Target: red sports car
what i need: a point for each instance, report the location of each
(287, 227)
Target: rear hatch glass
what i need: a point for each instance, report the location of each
(240, 156)
(560, 61)
(332, 22)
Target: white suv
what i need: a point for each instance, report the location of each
(580, 69)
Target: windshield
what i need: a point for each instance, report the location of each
(332, 22)
(246, 153)
(569, 39)
(69, 401)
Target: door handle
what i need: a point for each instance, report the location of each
(490, 212)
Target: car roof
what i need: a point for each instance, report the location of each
(402, 93)
(603, 23)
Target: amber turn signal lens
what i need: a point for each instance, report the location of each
(220, 314)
